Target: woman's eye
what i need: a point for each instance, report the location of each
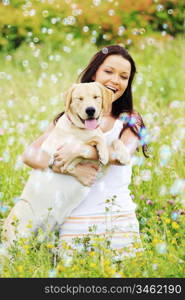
(109, 72)
(123, 77)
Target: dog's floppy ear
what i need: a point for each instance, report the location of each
(68, 96)
(108, 97)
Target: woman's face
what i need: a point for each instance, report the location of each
(114, 74)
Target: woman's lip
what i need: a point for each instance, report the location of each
(114, 91)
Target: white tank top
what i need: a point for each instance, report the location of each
(114, 182)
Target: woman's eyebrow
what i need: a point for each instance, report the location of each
(125, 72)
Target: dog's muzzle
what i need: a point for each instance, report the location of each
(90, 111)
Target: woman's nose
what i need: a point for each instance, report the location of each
(115, 79)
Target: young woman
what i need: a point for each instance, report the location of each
(108, 207)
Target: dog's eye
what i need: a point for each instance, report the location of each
(95, 97)
(80, 98)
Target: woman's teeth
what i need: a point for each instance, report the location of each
(112, 89)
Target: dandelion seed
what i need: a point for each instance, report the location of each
(10, 103)
(96, 2)
(16, 199)
(45, 13)
(160, 7)
(6, 2)
(36, 53)
(178, 187)
(93, 40)
(54, 21)
(145, 175)
(176, 144)
(43, 125)
(165, 154)
(39, 82)
(6, 156)
(105, 50)
(121, 30)
(174, 215)
(111, 12)
(85, 28)
(71, 20)
(8, 57)
(170, 11)
(44, 30)
(32, 12)
(139, 78)
(161, 248)
(54, 78)
(154, 266)
(163, 190)
(53, 100)
(136, 160)
(3, 208)
(69, 36)
(67, 49)
(52, 273)
(50, 31)
(36, 40)
(129, 41)
(3, 250)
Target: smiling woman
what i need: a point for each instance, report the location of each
(108, 205)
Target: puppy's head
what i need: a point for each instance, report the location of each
(85, 104)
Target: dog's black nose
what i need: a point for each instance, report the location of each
(90, 111)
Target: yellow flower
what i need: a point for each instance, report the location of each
(60, 268)
(50, 246)
(20, 268)
(92, 265)
(92, 253)
(175, 225)
(29, 225)
(167, 220)
(173, 241)
(26, 247)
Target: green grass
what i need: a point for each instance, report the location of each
(31, 83)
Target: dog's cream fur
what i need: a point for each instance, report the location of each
(48, 197)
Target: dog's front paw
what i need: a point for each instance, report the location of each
(120, 153)
(103, 155)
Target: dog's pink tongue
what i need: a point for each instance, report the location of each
(91, 124)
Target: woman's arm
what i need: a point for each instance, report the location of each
(33, 156)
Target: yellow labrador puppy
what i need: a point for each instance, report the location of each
(48, 197)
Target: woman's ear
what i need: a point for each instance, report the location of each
(68, 97)
(108, 98)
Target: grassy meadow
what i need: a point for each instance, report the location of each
(32, 80)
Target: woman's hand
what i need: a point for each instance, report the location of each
(85, 172)
(65, 154)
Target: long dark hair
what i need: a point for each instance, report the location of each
(125, 103)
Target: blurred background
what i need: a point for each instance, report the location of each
(101, 22)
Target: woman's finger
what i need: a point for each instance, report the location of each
(60, 147)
